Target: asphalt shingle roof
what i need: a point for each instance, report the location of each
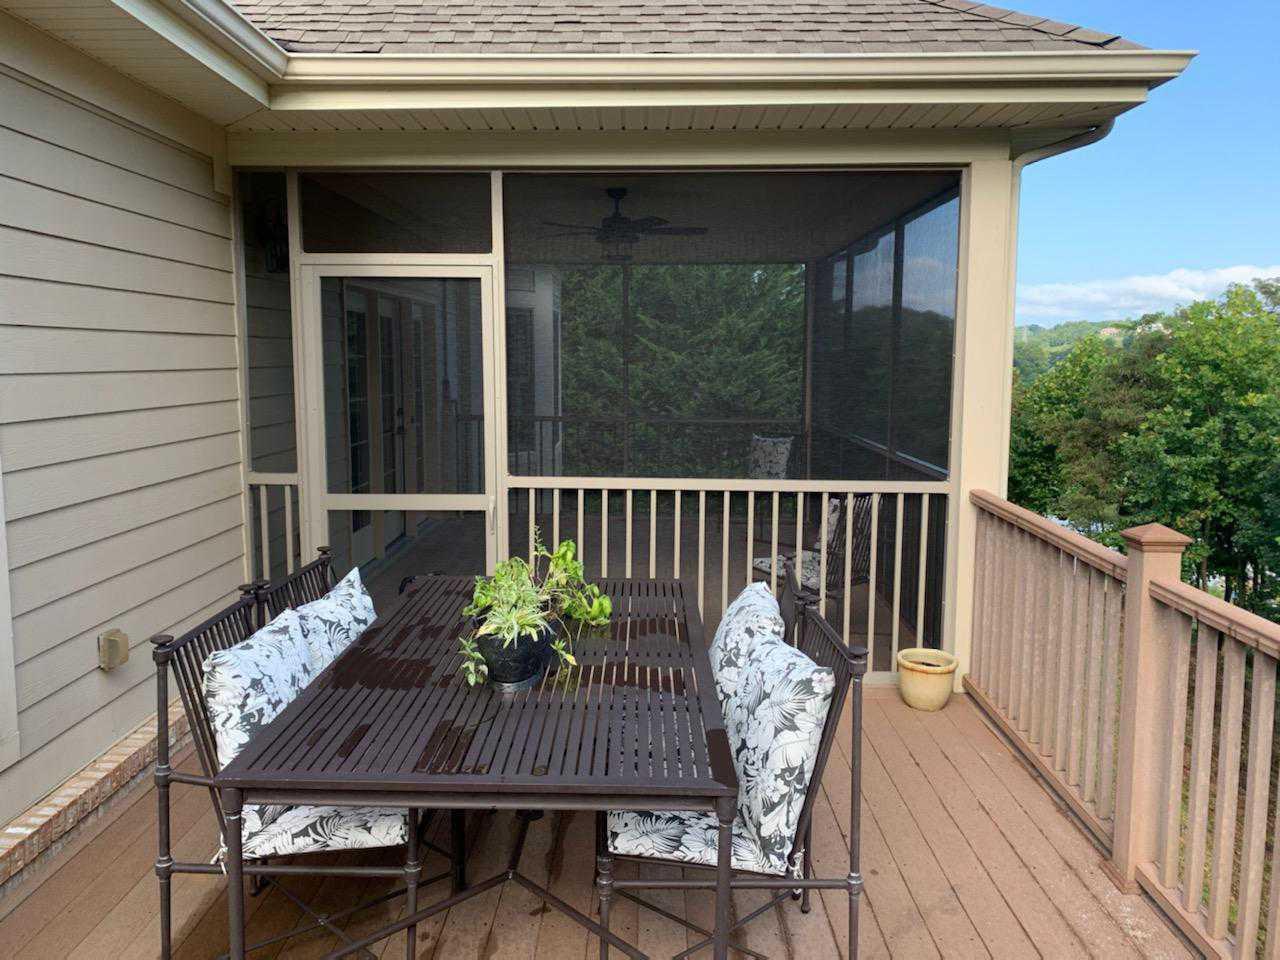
(662, 27)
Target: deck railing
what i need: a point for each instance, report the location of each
(1147, 705)
(274, 524)
(885, 590)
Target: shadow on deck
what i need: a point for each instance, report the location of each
(965, 855)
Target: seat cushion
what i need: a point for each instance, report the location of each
(810, 569)
(686, 835)
(308, 829)
(769, 457)
(774, 720)
(336, 620)
(752, 617)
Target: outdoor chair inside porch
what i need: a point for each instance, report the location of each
(761, 858)
(272, 832)
(813, 572)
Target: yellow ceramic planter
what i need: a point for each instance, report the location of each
(925, 677)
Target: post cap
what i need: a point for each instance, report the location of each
(1155, 538)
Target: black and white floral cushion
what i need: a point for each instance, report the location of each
(336, 620)
(752, 617)
(769, 457)
(775, 702)
(246, 687)
(307, 829)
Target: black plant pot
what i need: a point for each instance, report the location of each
(518, 665)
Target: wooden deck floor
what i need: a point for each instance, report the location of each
(965, 855)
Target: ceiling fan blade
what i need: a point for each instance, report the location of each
(571, 226)
(647, 223)
(676, 231)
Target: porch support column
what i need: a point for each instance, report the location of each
(982, 391)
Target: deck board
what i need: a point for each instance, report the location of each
(965, 855)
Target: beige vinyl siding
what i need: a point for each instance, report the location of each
(119, 415)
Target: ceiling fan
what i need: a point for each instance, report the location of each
(617, 234)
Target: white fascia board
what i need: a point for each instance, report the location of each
(1150, 67)
(234, 51)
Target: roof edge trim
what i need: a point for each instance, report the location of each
(1152, 67)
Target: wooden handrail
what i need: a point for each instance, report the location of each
(1248, 628)
(1111, 562)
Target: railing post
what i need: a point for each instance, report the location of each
(1155, 553)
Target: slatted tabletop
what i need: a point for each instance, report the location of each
(637, 715)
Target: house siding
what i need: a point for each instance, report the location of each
(119, 411)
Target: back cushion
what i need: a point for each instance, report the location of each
(753, 617)
(246, 686)
(774, 723)
(336, 620)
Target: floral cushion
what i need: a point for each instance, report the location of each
(686, 835)
(810, 567)
(775, 702)
(336, 620)
(307, 829)
(769, 457)
(247, 685)
(749, 619)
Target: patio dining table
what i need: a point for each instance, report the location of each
(634, 725)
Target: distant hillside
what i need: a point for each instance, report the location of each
(1036, 348)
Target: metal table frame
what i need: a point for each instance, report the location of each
(650, 671)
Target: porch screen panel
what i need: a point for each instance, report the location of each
(403, 386)
(378, 212)
(674, 325)
(269, 327)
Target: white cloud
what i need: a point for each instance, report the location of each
(1128, 297)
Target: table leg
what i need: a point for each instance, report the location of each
(725, 810)
(458, 844)
(604, 884)
(234, 863)
(412, 872)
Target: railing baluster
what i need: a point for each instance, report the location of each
(653, 534)
(1036, 614)
(751, 530)
(823, 533)
(288, 528)
(1017, 624)
(1051, 638)
(1111, 681)
(555, 517)
(264, 532)
(871, 582)
(1231, 713)
(1201, 757)
(773, 547)
(1177, 627)
(675, 548)
(1003, 540)
(1064, 566)
(724, 555)
(582, 546)
(800, 537)
(1079, 669)
(897, 580)
(604, 533)
(922, 564)
(533, 499)
(702, 544)
(627, 538)
(1093, 687)
(846, 584)
(1262, 703)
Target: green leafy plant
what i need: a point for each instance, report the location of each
(521, 600)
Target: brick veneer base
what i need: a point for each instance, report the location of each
(39, 829)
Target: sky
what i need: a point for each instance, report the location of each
(1183, 197)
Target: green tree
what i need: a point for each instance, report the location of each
(1178, 422)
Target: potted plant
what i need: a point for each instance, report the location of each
(526, 612)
